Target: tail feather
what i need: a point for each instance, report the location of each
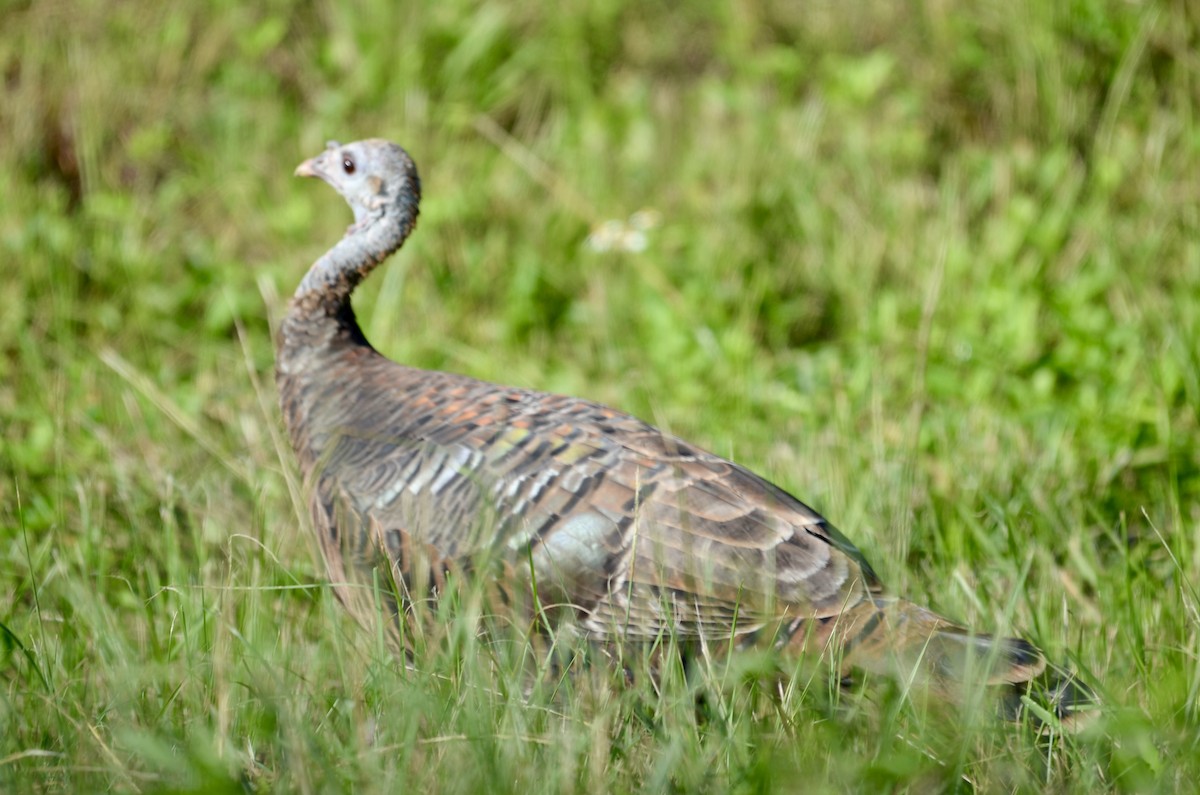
(894, 637)
(898, 638)
(1057, 692)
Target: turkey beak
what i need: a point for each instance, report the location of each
(308, 168)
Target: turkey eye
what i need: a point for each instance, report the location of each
(348, 165)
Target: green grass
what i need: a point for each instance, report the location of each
(933, 267)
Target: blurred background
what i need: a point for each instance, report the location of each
(932, 266)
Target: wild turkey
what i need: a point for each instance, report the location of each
(631, 531)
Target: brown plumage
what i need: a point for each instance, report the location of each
(629, 531)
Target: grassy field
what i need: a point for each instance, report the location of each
(934, 267)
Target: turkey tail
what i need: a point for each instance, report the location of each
(887, 635)
(897, 638)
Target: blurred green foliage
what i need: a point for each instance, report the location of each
(932, 266)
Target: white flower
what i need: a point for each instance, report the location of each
(629, 236)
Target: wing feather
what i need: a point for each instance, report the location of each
(638, 530)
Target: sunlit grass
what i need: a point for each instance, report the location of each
(933, 269)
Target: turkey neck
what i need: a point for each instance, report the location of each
(321, 349)
(320, 319)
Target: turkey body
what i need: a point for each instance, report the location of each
(637, 531)
(587, 511)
